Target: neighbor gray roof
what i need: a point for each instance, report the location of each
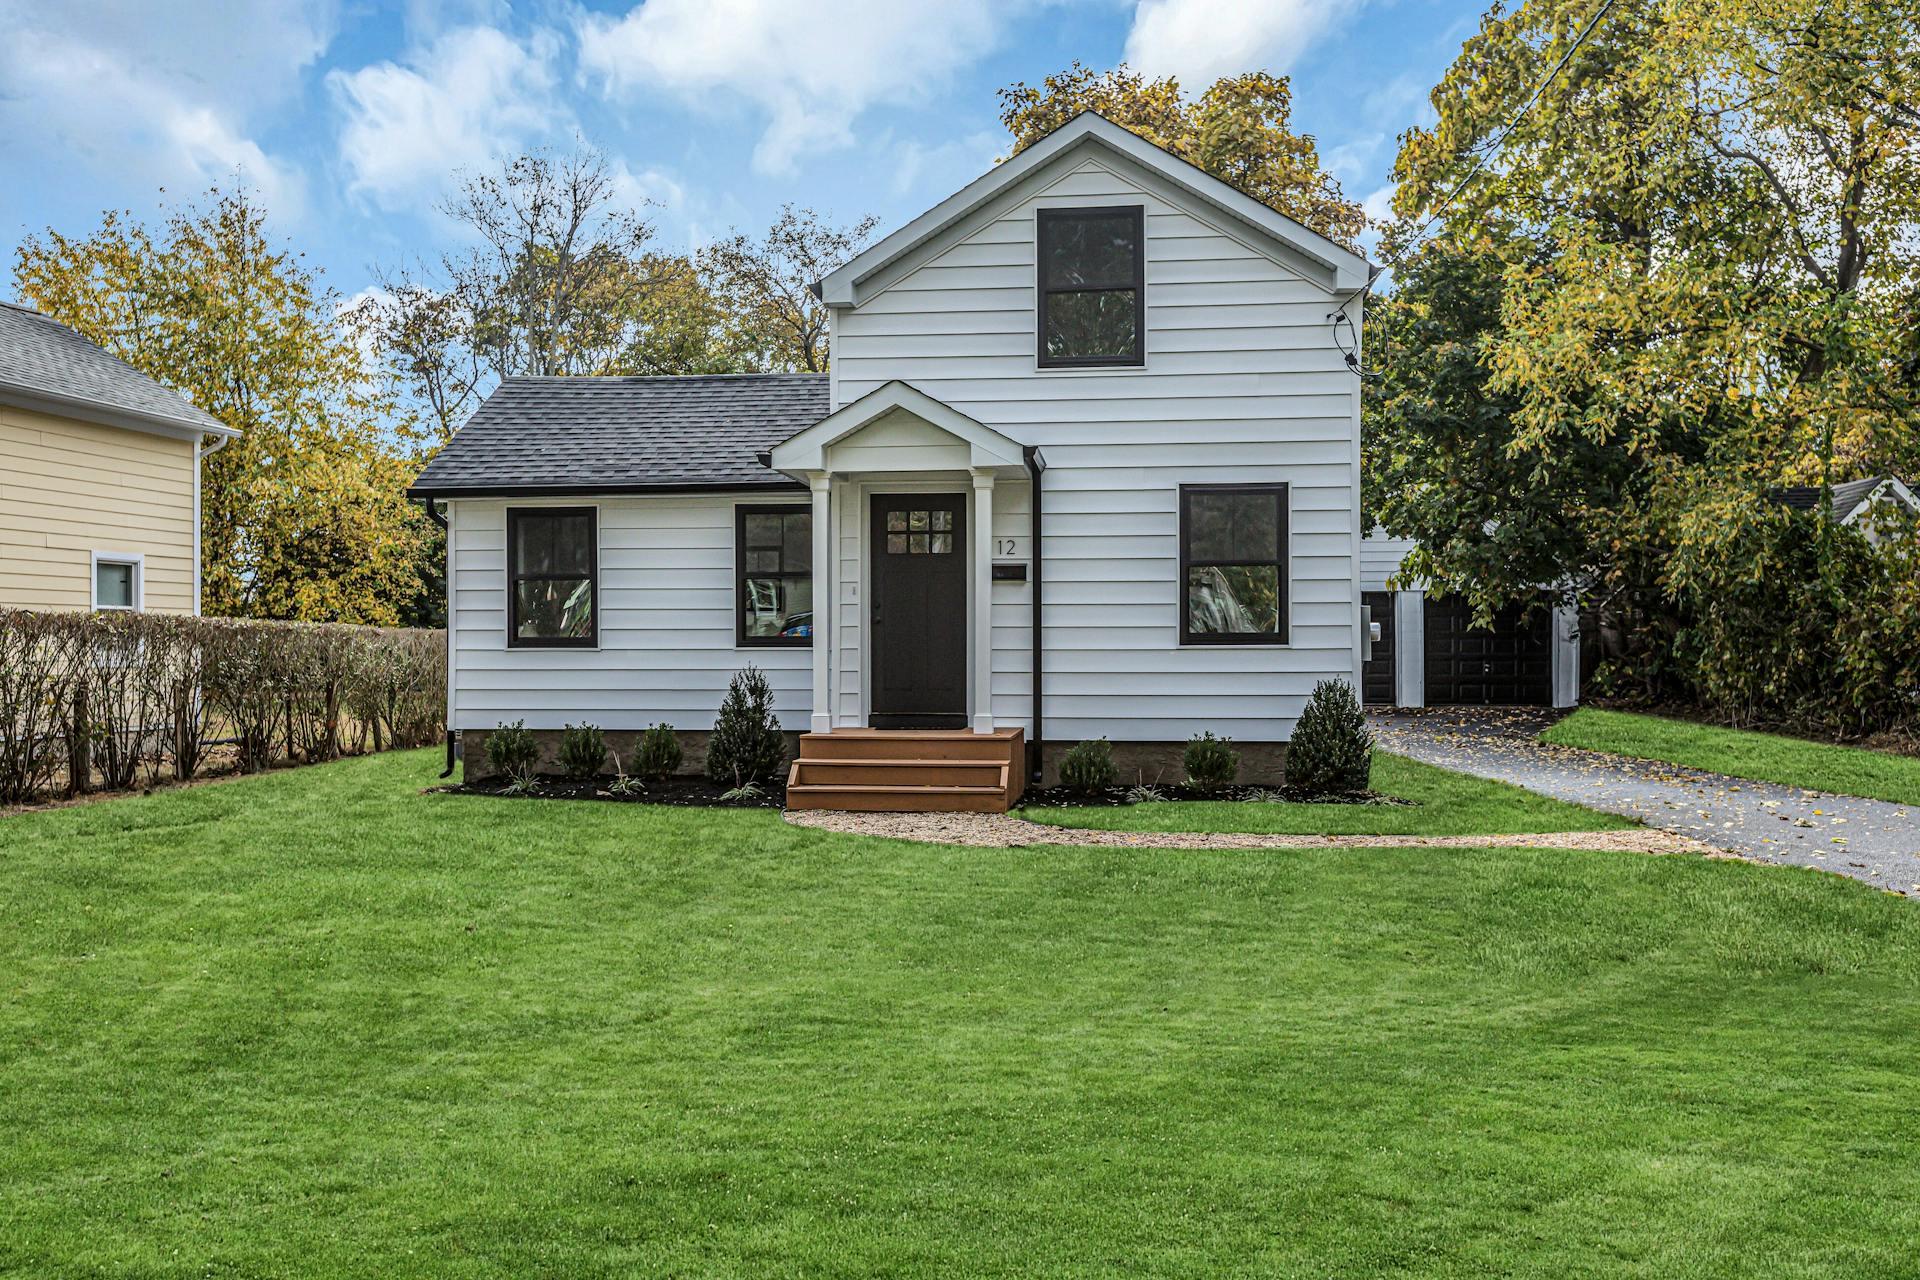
(611, 434)
(1846, 497)
(46, 365)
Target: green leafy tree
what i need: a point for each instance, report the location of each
(765, 285)
(1676, 267)
(1239, 129)
(303, 516)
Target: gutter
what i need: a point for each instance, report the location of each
(1036, 467)
(433, 514)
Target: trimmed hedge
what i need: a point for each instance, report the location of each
(115, 700)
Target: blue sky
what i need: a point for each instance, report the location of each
(352, 118)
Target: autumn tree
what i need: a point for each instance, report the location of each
(765, 285)
(1239, 130)
(304, 515)
(1696, 222)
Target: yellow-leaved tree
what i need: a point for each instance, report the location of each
(305, 515)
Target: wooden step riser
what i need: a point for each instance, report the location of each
(835, 748)
(898, 802)
(955, 773)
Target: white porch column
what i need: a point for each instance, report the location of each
(821, 484)
(981, 642)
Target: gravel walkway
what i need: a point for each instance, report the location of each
(1870, 840)
(1005, 831)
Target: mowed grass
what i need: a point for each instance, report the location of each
(317, 1024)
(1739, 753)
(1444, 804)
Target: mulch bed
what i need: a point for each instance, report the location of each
(691, 792)
(1113, 797)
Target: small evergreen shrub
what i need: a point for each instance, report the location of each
(746, 745)
(659, 755)
(1332, 750)
(583, 751)
(1088, 766)
(512, 753)
(1210, 761)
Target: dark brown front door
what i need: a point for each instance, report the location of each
(917, 605)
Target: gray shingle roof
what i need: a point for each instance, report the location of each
(1846, 497)
(40, 357)
(609, 434)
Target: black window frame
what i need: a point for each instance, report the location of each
(1282, 496)
(1042, 217)
(514, 578)
(740, 637)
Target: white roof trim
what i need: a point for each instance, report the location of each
(1345, 270)
(1888, 488)
(806, 451)
(65, 406)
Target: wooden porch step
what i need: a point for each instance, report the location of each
(880, 798)
(909, 770)
(897, 772)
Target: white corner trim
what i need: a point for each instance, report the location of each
(137, 561)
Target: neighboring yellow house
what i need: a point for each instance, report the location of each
(99, 476)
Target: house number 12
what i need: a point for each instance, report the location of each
(1006, 546)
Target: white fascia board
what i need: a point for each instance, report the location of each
(806, 451)
(1346, 271)
(107, 415)
(1888, 488)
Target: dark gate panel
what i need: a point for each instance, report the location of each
(1512, 662)
(1376, 674)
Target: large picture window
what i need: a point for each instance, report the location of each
(552, 563)
(773, 553)
(1233, 564)
(1092, 287)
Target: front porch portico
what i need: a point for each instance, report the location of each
(903, 491)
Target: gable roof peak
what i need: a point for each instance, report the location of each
(1333, 266)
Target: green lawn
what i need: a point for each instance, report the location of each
(1765, 757)
(1445, 804)
(317, 1024)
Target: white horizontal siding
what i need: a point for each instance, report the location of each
(1243, 382)
(1380, 558)
(666, 601)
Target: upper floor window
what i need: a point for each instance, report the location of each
(1233, 564)
(116, 581)
(773, 553)
(552, 564)
(1092, 287)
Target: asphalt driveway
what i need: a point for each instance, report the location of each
(1870, 840)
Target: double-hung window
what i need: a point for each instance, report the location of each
(1092, 287)
(773, 566)
(552, 566)
(1233, 564)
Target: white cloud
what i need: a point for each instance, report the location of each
(470, 96)
(1201, 40)
(160, 94)
(812, 74)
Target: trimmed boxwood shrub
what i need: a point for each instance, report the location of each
(1088, 766)
(659, 755)
(1332, 750)
(746, 745)
(512, 752)
(583, 751)
(1211, 761)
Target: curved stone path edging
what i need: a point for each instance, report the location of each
(1005, 831)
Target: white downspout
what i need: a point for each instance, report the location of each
(201, 452)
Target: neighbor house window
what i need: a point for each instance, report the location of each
(1233, 564)
(1092, 286)
(773, 564)
(552, 561)
(116, 581)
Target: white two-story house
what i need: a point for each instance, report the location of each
(1087, 465)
